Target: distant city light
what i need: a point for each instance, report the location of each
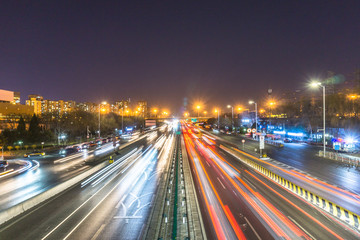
(295, 134)
(280, 132)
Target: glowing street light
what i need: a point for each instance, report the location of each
(232, 116)
(122, 118)
(352, 98)
(198, 109)
(100, 110)
(316, 84)
(218, 113)
(253, 102)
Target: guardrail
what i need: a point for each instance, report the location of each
(341, 213)
(354, 161)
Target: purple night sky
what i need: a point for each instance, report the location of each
(163, 51)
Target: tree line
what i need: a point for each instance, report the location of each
(75, 126)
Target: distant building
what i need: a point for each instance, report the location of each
(9, 96)
(87, 107)
(121, 106)
(35, 101)
(10, 114)
(142, 108)
(42, 106)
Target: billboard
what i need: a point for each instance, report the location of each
(150, 123)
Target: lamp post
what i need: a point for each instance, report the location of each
(271, 104)
(218, 113)
(100, 115)
(122, 119)
(2, 153)
(252, 102)
(198, 109)
(232, 116)
(314, 85)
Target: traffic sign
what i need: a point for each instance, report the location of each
(262, 141)
(249, 130)
(253, 130)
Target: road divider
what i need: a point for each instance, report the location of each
(339, 212)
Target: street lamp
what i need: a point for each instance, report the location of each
(218, 113)
(352, 98)
(316, 84)
(252, 102)
(2, 153)
(122, 118)
(271, 105)
(100, 115)
(232, 116)
(198, 108)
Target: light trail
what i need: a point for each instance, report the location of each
(221, 212)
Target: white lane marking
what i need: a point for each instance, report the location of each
(125, 209)
(98, 232)
(234, 193)
(77, 209)
(248, 182)
(221, 183)
(122, 199)
(135, 199)
(252, 228)
(87, 215)
(297, 224)
(134, 215)
(207, 163)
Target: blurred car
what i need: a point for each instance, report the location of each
(288, 140)
(68, 151)
(3, 163)
(85, 146)
(34, 154)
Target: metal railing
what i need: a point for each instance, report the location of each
(354, 161)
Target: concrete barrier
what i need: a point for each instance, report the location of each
(339, 212)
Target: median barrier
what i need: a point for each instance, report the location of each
(339, 212)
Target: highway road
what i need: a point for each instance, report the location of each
(303, 157)
(236, 201)
(333, 192)
(53, 170)
(111, 204)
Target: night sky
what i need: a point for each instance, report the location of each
(221, 52)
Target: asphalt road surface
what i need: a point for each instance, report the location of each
(111, 204)
(237, 201)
